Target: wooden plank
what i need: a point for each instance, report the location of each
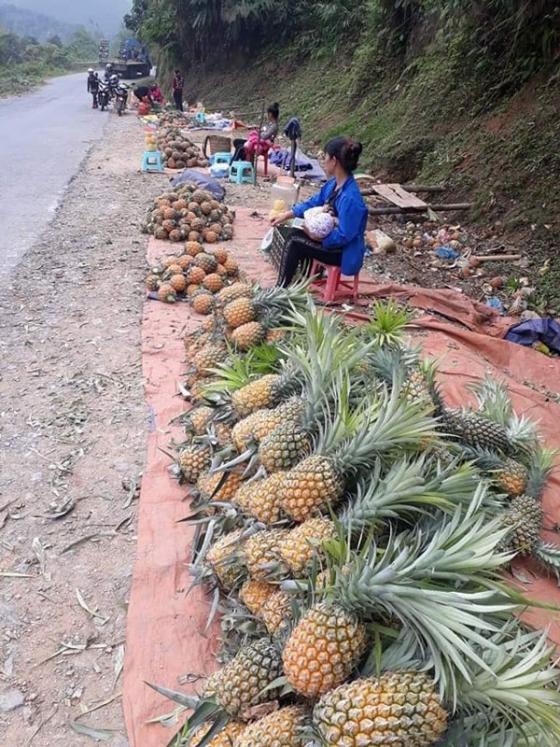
(392, 210)
(398, 196)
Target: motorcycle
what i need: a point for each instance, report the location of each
(121, 98)
(104, 96)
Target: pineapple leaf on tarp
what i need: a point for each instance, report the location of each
(518, 687)
(549, 556)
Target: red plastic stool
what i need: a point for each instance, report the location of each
(333, 284)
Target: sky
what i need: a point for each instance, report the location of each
(107, 14)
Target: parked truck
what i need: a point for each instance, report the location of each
(133, 60)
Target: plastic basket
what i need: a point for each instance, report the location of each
(280, 238)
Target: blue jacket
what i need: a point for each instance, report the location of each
(352, 222)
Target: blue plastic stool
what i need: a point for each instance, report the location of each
(242, 172)
(152, 161)
(220, 158)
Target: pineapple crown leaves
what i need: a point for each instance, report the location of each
(541, 466)
(386, 422)
(388, 323)
(240, 370)
(411, 485)
(518, 688)
(441, 587)
(495, 403)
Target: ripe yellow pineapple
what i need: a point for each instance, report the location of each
(261, 551)
(323, 650)
(262, 502)
(257, 395)
(235, 291)
(200, 418)
(222, 432)
(254, 595)
(193, 461)
(304, 542)
(209, 356)
(222, 558)
(400, 709)
(308, 486)
(243, 494)
(281, 728)
(244, 431)
(239, 312)
(276, 612)
(241, 684)
(513, 477)
(209, 485)
(225, 738)
(248, 336)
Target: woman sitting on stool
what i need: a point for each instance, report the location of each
(345, 246)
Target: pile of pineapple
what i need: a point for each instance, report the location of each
(197, 274)
(354, 531)
(188, 213)
(178, 151)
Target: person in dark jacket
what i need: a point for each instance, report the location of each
(345, 246)
(178, 86)
(93, 86)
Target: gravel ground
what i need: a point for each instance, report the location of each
(72, 437)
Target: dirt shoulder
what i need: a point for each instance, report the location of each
(73, 426)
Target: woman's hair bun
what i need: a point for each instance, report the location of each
(346, 151)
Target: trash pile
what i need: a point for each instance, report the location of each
(449, 254)
(352, 530)
(188, 213)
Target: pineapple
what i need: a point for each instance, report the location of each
(199, 419)
(288, 444)
(152, 282)
(288, 411)
(240, 685)
(399, 709)
(323, 650)
(262, 502)
(239, 312)
(213, 282)
(276, 612)
(254, 595)
(226, 738)
(262, 551)
(319, 480)
(235, 291)
(303, 543)
(193, 461)
(206, 262)
(279, 729)
(243, 433)
(167, 293)
(257, 395)
(243, 495)
(312, 484)
(248, 336)
(209, 356)
(525, 517)
(475, 430)
(510, 475)
(178, 283)
(219, 487)
(223, 434)
(222, 558)
(202, 302)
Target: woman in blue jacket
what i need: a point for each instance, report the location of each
(341, 196)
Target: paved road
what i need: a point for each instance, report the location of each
(43, 138)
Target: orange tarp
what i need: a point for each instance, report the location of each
(165, 634)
